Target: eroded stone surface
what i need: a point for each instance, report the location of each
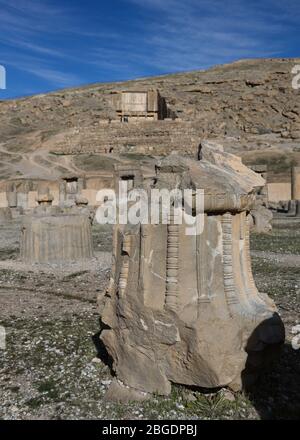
(261, 219)
(5, 215)
(185, 309)
(54, 238)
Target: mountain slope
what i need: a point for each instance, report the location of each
(250, 103)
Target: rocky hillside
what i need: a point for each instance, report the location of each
(250, 105)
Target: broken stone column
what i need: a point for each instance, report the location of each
(12, 199)
(5, 215)
(56, 238)
(81, 207)
(22, 198)
(129, 173)
(262, 170)
(294, 207)
(80, 185)
(62, 193)
(184, 308)
(81, 201)
(295, 183)
(261, 218)
(44, 198)
(69, 189)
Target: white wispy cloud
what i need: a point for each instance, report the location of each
(33, 47)
(51, 40)
(41, 69)
(54, 76)
(29, 31)
(190, 34)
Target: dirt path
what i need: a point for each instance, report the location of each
(39, 163)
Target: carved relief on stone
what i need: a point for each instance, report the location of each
(185, 309)
(171, 301)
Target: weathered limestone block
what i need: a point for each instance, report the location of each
(298, 208)
(294, 204)
(262, 196)
(46, 239)
(62, 193)
(292, 208)
(3, 200)
(12, 199)
(22, 200)
(88, 211)
(184, 308)
(5, 215)
(261, 219)
(295, 183)
(44, 200)
(81, 200)
(281, 206)
(261, 216)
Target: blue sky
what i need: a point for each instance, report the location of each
(50, 44)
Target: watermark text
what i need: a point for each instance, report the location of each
(296, 79)
(156, 206)
(2, 77)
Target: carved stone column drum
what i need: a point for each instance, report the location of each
(184, 308)
(57, 238)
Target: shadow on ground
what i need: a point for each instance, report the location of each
(276, 393)
(102, 353)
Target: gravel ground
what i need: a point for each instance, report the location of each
(51, 368)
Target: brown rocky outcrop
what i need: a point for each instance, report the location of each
(250, 100)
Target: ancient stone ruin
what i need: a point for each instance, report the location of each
(295, 201)
(291, 205)
(5, 215)
(185, 309)
(135, 105)
(55, 238)
(261, 216)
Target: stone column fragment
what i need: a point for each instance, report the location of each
(52, 239)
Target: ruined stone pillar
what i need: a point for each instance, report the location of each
(80, 185)
(295, 183)
(52, 239)
(294, 204)
(44, 198)
(5, 215)
(62, 193)
(262, 170)
(12, 199)
(292, 208)
(185, 308)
